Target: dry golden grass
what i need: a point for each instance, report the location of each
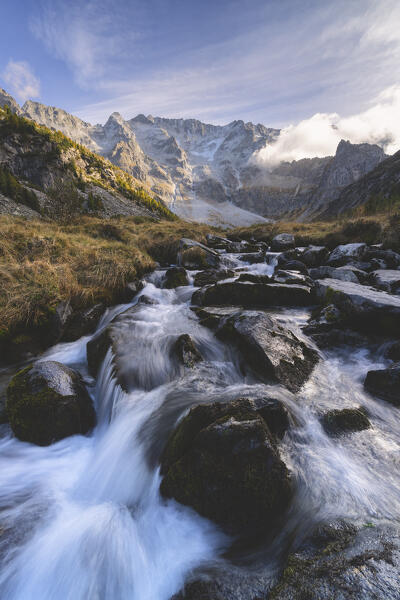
(42, 263)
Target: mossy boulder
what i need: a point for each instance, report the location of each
(223, 461)
(175, 277)
(346, 420)
(48, 402)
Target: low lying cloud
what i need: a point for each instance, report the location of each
(21, 80)
(320, 135)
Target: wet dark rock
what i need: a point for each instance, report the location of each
(293, 265)
(342, 562)
(82, 322)
(387, 280)
(252, 278)
(338, 337)
(274, 413)
(346, 420)
(346, 253)
(186, 352)
(144, 299)
(392, 351)
(269, 349)
(385, 384)
(377, 263)
(211, 276)
(54, 329)
(283, 241)
(175, 277)
(391, 258)
(194, 255)
(363, 308)
(115, 335)
(48, 402)
(253, 257)
(222, 461)
(131, 289)
(253, 295)
(218, 243)
(315, 256)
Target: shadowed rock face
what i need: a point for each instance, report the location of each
(48, 402)
(385, 384)
(222, 461)
(272, 351)
(251, 295)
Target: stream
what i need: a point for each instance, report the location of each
(83, 519)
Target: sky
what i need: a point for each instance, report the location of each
(304, 65)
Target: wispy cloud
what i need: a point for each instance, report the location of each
(289, 59)
(21, 80)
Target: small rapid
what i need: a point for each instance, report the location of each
(83, 519)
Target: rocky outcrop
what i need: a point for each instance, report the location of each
(347, 253)
(385, 384)
(211, 276)
(222, 461)
(48, 402)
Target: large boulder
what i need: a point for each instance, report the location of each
(283, 241)
(222, 461)
(269, 349)
(391, 258)
(385, 384)
(386, 279)
(347, 253)
(47, 402)
(362, 307)
(254, 295)
(194, 255)
(175, 277)
(293, 265)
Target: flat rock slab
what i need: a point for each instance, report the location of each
(251, 295)
(364, 307)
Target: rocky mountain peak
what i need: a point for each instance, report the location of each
(7, 100)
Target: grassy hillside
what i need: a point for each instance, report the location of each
(66, 172)
(87, 261)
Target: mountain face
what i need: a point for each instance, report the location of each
(208, 173)
(44, 172)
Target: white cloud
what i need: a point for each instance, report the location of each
(320, 134)
(20, 78)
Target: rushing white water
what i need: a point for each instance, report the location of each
(83, 518)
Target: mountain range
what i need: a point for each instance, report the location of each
(209, 173)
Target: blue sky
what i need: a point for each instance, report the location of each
(271, 61)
